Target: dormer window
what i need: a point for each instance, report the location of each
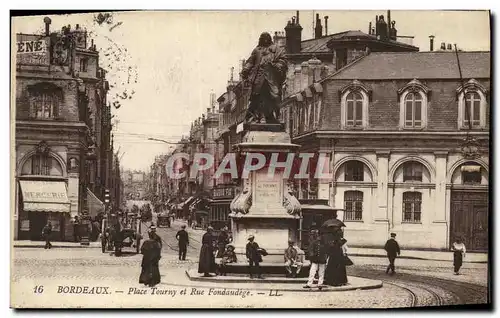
(472, 105)
(354, 105)
(413, 98)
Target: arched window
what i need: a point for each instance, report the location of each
(354, 105)
(42, 164)
(472, 104)
(354, 110)
(412, 171)
(354, 171)
(353, 205)
(413, 110)
(412, 207)
(472, 110)
(471, 174)
(413, 105)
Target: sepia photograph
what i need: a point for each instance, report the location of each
(322, 159)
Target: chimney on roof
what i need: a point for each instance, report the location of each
(393, 33)
(382, 29)
(389, 22)
(370, 28)
(297, 17)
(293, 35)
(326, 25)
(431, 42)
(47, 22)
(318, 30)
(443, 46)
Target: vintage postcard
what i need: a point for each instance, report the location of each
(251, 159)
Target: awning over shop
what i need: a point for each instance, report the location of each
(94, 205)
(45, 196)
(181, 205)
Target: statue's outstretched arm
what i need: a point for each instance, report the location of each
(249, 64)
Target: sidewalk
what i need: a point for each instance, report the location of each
(416, 254)
(353, 251)
(41, 244)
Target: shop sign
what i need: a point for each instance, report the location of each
(221, 193)
(32, 52)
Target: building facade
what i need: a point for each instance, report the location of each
(308, 61)
(62, 132)
(394, 133)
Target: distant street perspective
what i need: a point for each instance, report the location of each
(252, 159)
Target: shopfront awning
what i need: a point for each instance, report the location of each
(181, 205)
(95, 206)
(45, 196)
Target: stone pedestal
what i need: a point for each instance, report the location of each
(265, 208)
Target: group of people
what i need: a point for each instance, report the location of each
(328, 257)
(212, 248)
(328, 260)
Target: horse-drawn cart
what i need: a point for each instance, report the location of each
(119, 232)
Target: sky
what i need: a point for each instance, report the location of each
(174, 60)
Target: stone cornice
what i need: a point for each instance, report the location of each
(349, 134)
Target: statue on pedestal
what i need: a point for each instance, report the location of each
(265, 71)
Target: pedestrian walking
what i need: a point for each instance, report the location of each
(254, 257)
(335, 272)
(316, 253)
(46, 232)
(151, 255)
(206, 264)
(458, 248)
(76, 229)
(393, 250)
(183, 239)
(293, 264)
(156, 237)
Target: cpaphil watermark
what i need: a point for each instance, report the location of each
(290, 166)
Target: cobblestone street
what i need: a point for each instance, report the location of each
(416, 284)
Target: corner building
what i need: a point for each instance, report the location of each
(393, 126)
(62, 127)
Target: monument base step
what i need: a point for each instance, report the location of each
(266, 268)
(284, 284)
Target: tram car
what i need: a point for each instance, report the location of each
(121, 232)
(163, 219)
(318, 215)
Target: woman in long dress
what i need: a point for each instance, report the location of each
(458, 249)
(206, 264)
(151, 254)
(335, 273)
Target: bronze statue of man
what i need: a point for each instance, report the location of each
(265, 70)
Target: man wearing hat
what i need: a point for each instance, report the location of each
(253, 257)
(292, 260)
(155, 236)
(183, 238)
(316, 252)
(392, 249)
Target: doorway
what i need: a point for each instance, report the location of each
(37, 222)
(469, 218)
